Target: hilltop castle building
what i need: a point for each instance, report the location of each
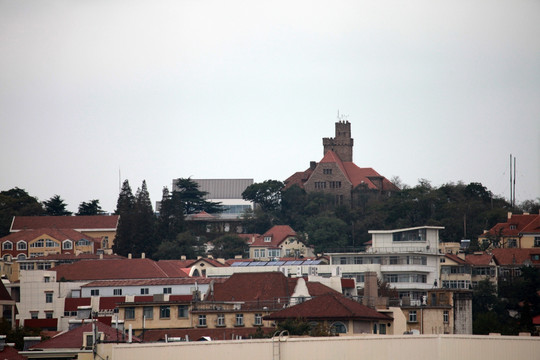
(338, 175)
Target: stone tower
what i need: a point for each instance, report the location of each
(342, 143)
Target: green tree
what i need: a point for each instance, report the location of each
(228, 246)
(327, 233)
(17, 334)
(193, 199)
(145, 221)
(170, 221)
(266, 194)
(16, 202)
(185, 244)
(56, 206)
(91, 207)
(125, 232)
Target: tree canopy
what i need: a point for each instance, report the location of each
(56, 206)
(193, 199)
(266, 194)
(91, 207)
(228, 246)
(16, 202)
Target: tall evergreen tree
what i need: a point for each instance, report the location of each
(56, 206)
(170, 222)
(125, 207)
(144, 237)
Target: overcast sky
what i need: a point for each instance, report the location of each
(94, 90)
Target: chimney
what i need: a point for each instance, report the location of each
(101, 256)
(371, 291)
(183, 257)
(143, 255)
(210, 256)
(129, 256)
(509, 215)
(312, 165)
(30, 341)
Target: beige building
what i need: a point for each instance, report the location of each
(519, 231)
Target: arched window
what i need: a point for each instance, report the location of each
(338, 328)
(67, 245)
(21, 245)
(8, 245)
(7, 258)
(21, 257)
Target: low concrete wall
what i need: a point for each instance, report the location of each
(428, 347)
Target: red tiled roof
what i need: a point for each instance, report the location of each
(71, 304)
(73, 339)
(533, 227)
(58, 234)
(96, 222)
(253, 287)
(113, 269)
(110, 302)
(10, 353)
(519, 224)
(328, 306)
(515, 256)
(354, 174)
(151, 335)
(148, 282)
(318, 289)
(278, 233)
(455, 258)
(479, 259)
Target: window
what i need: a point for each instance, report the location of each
(46, 279)
(148, 312)
(382, 329)
(327, 171)
(320, 184)
(512, 243)
(263, 253)
(83, 242)
(220, 320)
(513, 227)
(165, 312)
(267, 239)
(51, 243)
(167, 290)
(7, 258)
(202, 321)
(338, 328)
(67, 245)
(8, 245)
(182, 311)
(239, 320)
(129, 313)
(34, 314)
(411, 235)
(274, 253)
(258, 319)
(144, 291)
(21, 245)
(256, 253)
(49, 297)
(38, 243)
(445, 316)
(537, 241)
(94, 292)
(412, 316)
(48, 314)
(117, 292)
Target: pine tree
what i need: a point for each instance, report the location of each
(144, 236)
(56, 206)
(125, 207)
(193, 199)
(170, 222)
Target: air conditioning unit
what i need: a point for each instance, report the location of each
(313, 270)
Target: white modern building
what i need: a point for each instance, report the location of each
(407, 259)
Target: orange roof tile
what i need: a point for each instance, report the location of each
(277, 234)
(58, 234)
(515, 256)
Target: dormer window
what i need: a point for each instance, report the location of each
(267, 239)
(21, 245)
(8, 245)
(67, 245)
(513, 227)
